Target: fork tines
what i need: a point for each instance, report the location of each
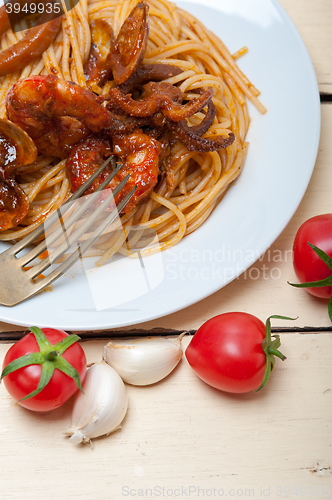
(70, 235)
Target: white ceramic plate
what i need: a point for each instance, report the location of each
(282, 154)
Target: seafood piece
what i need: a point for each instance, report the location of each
(149, 73)
(41, 105)
(6, 23)
(34, 101)
(14, 204)
(120, 57)
(166, 100)
(162, 103)
(16, 149)
(161, 97)
(140, 156)
(35, 42)
(97, 69)
(60, 136)
(84, 160)
(194, 142)
(4, 20)
(130, 46)
(206, 122)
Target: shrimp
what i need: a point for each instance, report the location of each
(139, 154)
(58, 114)
(84, 160)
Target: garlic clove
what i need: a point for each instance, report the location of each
(101, 407)
(143, 360)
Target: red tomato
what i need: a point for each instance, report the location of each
(227, 353)
(24, 380)
(308, 266)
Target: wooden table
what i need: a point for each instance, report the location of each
(180, 437)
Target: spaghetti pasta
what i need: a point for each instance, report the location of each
(194, 182)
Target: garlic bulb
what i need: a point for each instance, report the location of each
(143, 361)
(102, 406)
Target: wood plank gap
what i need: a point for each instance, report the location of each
(325, 97)
(88, 335)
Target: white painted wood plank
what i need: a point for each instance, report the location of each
(181, 433)
(313, 19)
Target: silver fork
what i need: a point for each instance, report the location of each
(16, 283)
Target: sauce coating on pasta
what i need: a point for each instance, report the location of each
(199, 121)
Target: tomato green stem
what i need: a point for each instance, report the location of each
(270, 347)
(50, 357)
(329, 308)
(275, 352)
(319, 283)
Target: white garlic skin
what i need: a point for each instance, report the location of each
(144, 360)
(101, 408)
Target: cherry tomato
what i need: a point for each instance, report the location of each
(234, 352)
(308, 265)
(54, 358)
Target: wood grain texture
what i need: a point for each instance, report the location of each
(182, 433)
(180, 437)
(313, 19)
